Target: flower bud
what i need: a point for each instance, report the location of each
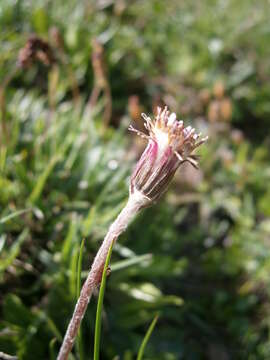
(170, 144)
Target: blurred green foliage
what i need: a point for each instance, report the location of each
(201, 256)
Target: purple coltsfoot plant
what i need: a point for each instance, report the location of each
(170, 144)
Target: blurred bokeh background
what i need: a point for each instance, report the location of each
(73, 76)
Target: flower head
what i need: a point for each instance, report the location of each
(169, 145)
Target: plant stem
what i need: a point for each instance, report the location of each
(147, 337)
(100, 306)
(135, 202)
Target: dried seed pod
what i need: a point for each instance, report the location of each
(219, 89)
(204, 96)
(35, 49)
(134, 108)
(98, 63)
(226, 109)
(237, 136)
(213, 113)
(101, 81)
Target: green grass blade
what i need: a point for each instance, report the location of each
(13, 215)
(69, 242)
(87, 224)
(79, 268)
(123, 264)
(100, 305)
(14, 250)
(73, 271)
(53, 328)
(135, 260)
(79, 343)
(52, 349)
(41, 181)
(147, 337)
(3, 157)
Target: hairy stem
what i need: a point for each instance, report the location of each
(135, 203)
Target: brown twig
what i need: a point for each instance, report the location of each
(101, 82)
(71, 77)
(58, 42)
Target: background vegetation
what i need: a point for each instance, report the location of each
(201, 256)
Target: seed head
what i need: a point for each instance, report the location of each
(35, 49)
(170, 144)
